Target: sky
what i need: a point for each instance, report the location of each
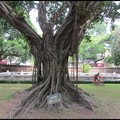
(33, 15)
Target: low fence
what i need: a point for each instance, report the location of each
(105, 69)
(27, 76)
(16, 76)
(97, 69)
(17, 68)
(104, 76)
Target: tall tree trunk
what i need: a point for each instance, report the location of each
(51, 79)
(56, 81)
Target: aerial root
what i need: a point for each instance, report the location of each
(27, 103)
(82, 97)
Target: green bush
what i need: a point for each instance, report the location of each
(86, 68)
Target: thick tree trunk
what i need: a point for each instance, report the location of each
(55, 81)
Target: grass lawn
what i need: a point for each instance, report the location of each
(110, 92)
(106, 96)
(7, 90)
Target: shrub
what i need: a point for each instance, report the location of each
(86, 68)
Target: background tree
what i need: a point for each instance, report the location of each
(52, 50)
(115, 47)
(89, 50)
(92, 45)
(12, 42)
(98, 29)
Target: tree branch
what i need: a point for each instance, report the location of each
(65, 23)
(58, 12)
(19, 23)
(83, 21)
(42, 19)
(95, 61)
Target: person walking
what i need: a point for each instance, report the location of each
(97, 78)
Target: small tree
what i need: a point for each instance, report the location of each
(85, 67)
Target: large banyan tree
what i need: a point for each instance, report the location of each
(63, 24)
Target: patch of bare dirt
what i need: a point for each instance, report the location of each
(75, 112)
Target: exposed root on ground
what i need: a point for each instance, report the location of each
(36, 98)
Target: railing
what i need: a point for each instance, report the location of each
(104, 76)
(13, 76)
